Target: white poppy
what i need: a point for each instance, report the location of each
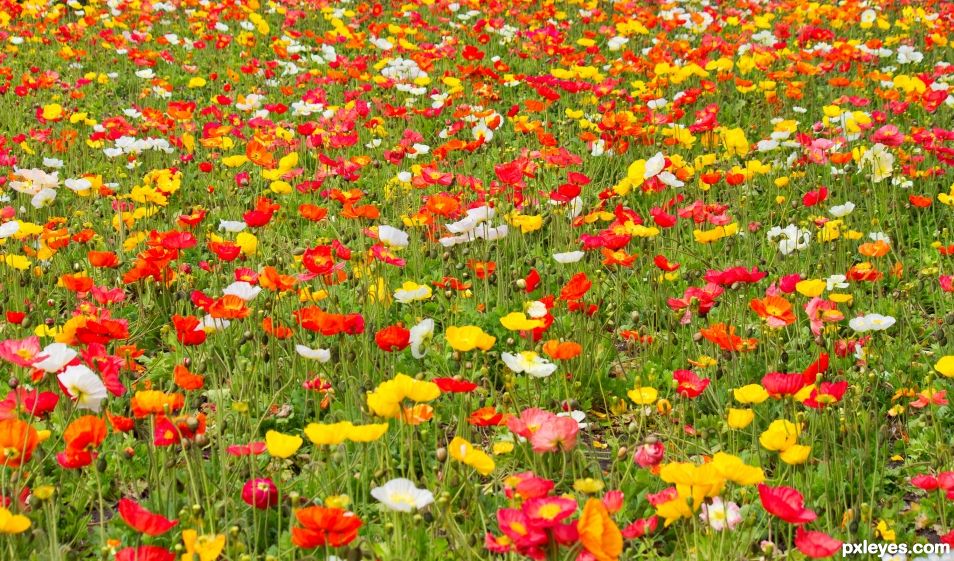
(871, 322)
(401, 495)
(420, 333)
(7, 229)
(244, 290)
(232, 226)
(84, 387)
(842, 210)
(530, 363)
(54, 357)
(568, 257)
(321, 355)
(391, 236)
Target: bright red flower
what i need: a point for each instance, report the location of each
(816, 545)
(689, 384)
(186, 331)
(454, 386)
(925, 481)
(140, 519)
(145, 553)
(785, 503)
(641, 527)
(393, 338)
(779, 384)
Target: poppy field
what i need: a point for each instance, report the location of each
(437, 280)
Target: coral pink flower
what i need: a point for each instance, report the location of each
(558, 432)
(22, 352)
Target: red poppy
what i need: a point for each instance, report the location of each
(689, 384)
(827, 393)
(16, 318)
(31, 402)
(322, 527)
(820, 366)
(226, 251)
(141, 520)
(120, 423)
(318, 260)
(251, 449)
(186, 330)
(145, 553)
(393, 338)
(925, 481)
(816, 545)
(813, 198)
(734, 275)
(779, 384)
(641, 527)
(177, 240)
(785, 503)
(451, 385)
(532, 280)
(663, 264)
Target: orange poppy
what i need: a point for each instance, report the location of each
(155, 402)
(271, 279)
(187, 380)
(874, 249)
(104, 259)
(562, 350)
(76, 283)
(229, 307)
(776, 310)
(18, 439)
(599, 535)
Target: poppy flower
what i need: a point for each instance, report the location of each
(325, 527)
(576, 288)
(640, 527)
(486, 417)
(102, 259)
(207, 547)
(145, 553)
(188, 331)
(599, 535)
(142, 520)
(260, 493)
(816, 545)
(452, 385)
(281, 445)
(393, 338)
(689, 384)
(786, 503)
